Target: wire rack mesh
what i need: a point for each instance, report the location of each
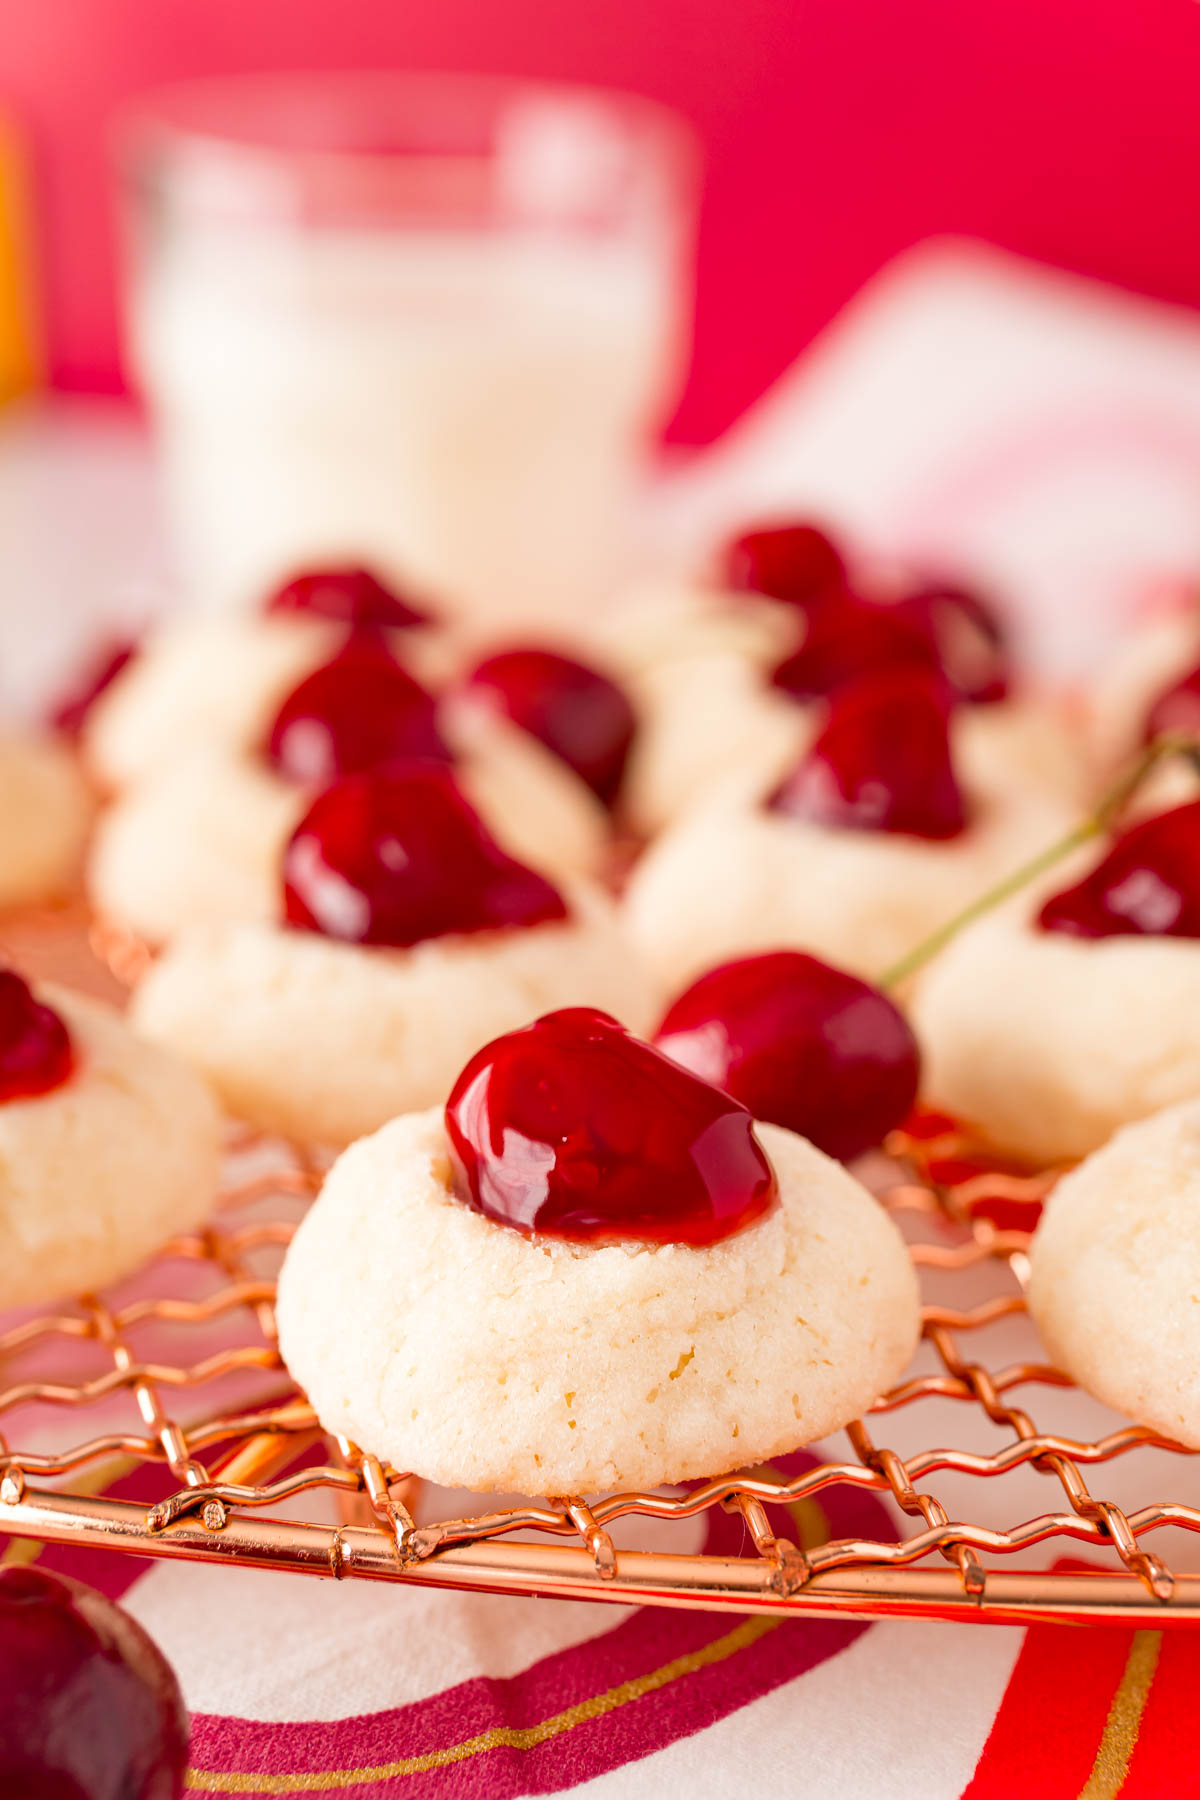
(158, 1419)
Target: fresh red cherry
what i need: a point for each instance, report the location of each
(882, 762)
(574, 1128)
(800, 1044)
(1147, 885)
(35, 1046)
(69, 714)
(970, 640)
(396, 856)
(352, 596)
(796, 563)
(89, 1707)
(1177, 709)
(356, 712)
(579, 714)
(849, 638)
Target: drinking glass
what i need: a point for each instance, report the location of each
(430, 323)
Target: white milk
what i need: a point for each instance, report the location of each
(467, 412)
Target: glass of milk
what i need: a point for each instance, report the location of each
(429, 323)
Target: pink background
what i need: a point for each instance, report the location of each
(837, 134)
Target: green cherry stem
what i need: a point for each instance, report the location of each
(1107, 809)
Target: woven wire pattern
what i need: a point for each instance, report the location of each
(175, 1379)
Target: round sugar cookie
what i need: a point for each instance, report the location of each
(713, 713)
(45, 813)
(96, 1174)
(479, 1357)
(201, 840)
(215, 682)
(1115, 1289)
(323, 1040)
(1047, 1043)
(736, 878)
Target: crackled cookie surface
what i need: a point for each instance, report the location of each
(1116, 1273)
(486, 1358)
(108, 1145)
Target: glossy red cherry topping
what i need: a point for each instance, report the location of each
(1147, 885)
(352, 596)
(89, 1707)
(849, 638)
(358, 711)
(70, 713)
(800, 1044)
(1177, 709)
(882, 762)
(579, 714)
(574, 1128)
(396, 856)
(35, 1046)
(796, 563)
(970, 640)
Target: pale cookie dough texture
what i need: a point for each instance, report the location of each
(1048, 1043)
(662, 622)
(216, 683)
(202, 840)
(97, 1174)
(478, 1357)
(324, 1041)
(45, 812)
(1115, 1291)
(733, 878)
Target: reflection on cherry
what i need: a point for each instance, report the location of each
(396, 856)
(89, 1707)
(1147, 885)
(796, 562)
(849, 638)
(578, 713)
(881, 763)
(356, 712)
(800, 1044)
(351, 596)
(1177, 709)
(574, 1129)
(970, 640)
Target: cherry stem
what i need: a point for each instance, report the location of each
(1095, 825)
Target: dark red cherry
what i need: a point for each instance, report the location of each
(69, 714)
(89, 1707)
(1177, 709)
(35, 1046)
(971, 642)
(1148, 884)
(796, 563)
(356, 712)
(352, 596)
(849, 638)
(397, 855)
(800, 1044)
(574, 1128)
(579, 714)
(882, 762)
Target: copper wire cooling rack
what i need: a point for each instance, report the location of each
(157, 1419)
